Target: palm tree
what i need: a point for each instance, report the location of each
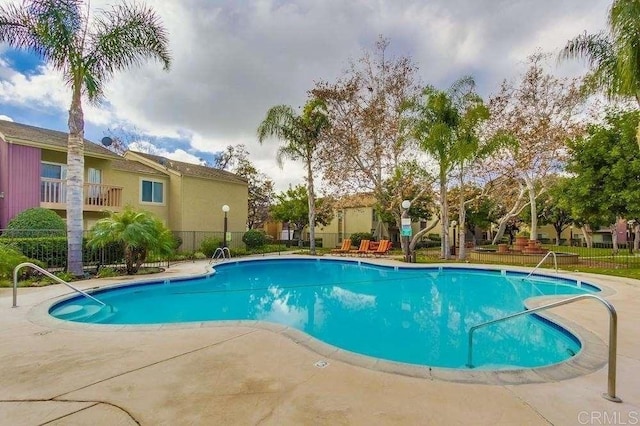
(301, 134)
(613, 55)
(59, 31)
(139, 233)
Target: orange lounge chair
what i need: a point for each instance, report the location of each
(364, 248)
(346, 246)
(382, 249)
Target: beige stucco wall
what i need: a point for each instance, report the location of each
(131, 192)
(203, 210)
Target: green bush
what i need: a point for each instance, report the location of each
(9, 259)
(359, 236)
(52, 251)
(199, 255)
(209, 245)
(35, 222)
(254, 239)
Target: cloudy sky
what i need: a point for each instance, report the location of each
(232, 60)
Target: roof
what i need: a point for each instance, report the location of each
(23, 134)
(194, 170)
(135, 167)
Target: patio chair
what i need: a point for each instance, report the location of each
(346, 246)
(382, 249)
(362, 250)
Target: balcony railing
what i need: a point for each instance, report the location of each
(53, 195)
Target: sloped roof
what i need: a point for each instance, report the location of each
(135, 167)
(23, 134)
(195, 170)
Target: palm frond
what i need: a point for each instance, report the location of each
(124, 36)
(596, 49)
(48, 28)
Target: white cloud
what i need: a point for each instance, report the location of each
(232, 60)
(5, 118)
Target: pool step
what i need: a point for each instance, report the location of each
(84, 313)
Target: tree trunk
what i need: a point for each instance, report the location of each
(418, 235)
(75, 184)
(614, 236)
(636, 237)
(586, 232)
(534, 210)
(444, 216)
(312, 209)
(518, 206)
(462, 218)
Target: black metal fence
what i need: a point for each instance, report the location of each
(50, 248)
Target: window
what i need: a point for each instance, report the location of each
(53, 171)
(152, 192)
(53, 189)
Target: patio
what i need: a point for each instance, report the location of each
(237, 374)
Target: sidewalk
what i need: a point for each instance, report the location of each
(237, 374)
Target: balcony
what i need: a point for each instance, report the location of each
(97, 197)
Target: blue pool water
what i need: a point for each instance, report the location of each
(411, 315)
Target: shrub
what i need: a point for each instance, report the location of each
(9, 259)
(359, 236)
(254, 239)
(35, 222)
(199, 255)
(107, 273)
(209, 245)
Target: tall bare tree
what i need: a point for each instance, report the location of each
(541, 113)
(369, 139)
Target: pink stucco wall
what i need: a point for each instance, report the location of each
(19, 180)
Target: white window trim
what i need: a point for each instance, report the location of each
(152, 203)
(61, 165)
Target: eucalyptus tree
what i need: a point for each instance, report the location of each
(88, 50)
(370, 140)
(301, 134)
(613, 55)
(540, 112)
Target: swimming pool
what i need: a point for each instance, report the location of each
(409, 315)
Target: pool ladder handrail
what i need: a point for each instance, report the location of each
(613, 336)
(221, 253)
(50, 275)
(555, 262)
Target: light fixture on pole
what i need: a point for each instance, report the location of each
(225, 209)
(571, 235)
(453, 249)
(630, 224)
(405, 229)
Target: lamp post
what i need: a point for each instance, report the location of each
(453, 249)
(225, 209)
(571, 235)
(405, 229)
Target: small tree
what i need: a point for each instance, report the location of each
(292, 206)
(139, 233)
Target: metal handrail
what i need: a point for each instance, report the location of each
(613, 336)
(221, 252)
(48, 274)
(555, 262)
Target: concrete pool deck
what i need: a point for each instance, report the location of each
(239, 374)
